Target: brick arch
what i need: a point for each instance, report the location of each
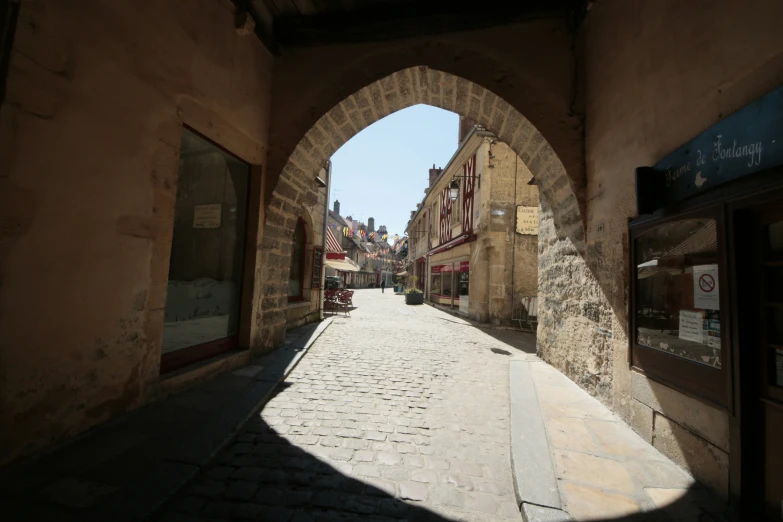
(296, 187)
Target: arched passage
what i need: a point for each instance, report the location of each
(563, 273)
(422, 84)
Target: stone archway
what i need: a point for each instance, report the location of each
(560, 251)
(423, 85)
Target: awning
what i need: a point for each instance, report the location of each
(346, 265)
(332, 245)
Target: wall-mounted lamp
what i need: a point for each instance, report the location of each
(454, 186)
(454, 190)
(320, 178)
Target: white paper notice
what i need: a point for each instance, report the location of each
(705, 287)
(691, 326)
(207, 216)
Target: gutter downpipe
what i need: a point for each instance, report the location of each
(323, 245)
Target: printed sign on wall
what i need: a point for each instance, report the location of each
(527, 220)
(207, 216)
(705, 287)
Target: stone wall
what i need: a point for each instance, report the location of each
(658, 74)
(517, 254)
(90, 128)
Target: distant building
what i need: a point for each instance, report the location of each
(478, 253)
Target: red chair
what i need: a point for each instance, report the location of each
(345, 299)
(330, 299)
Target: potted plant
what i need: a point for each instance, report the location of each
(413, 295)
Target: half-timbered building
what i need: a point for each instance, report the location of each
(466, 249)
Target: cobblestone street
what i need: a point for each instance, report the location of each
(396, 412)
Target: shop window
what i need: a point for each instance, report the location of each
(446, 285)
(202, 311)
(677, 318)
(435, 286)
(296, 274)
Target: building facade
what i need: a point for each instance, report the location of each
(468, 249)
(368, 250)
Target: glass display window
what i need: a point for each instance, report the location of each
(678, 321)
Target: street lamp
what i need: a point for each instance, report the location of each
(454, 190)
(454, 185)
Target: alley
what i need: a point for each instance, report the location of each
(396, 412)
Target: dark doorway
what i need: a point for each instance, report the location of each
(758, 234)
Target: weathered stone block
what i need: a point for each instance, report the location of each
(642, 420)
(708, 463)
(704, 420)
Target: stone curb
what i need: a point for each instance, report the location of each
(535, 483)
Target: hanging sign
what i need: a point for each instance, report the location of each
(527, 220)
(705, 287)
(207, 216)
(748, 141)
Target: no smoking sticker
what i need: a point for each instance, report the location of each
(705, 287)
(707, 283)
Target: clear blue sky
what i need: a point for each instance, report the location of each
(382, 171)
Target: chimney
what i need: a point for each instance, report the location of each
(465, 126)
(370, 225)
(337, 207)
(382, 230)
(434, 173)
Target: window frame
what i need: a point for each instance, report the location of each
(712, 385)
(178, 359)
(300, 296)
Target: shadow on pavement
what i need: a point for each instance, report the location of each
(264, 476)
(522, 341)
(126, 468)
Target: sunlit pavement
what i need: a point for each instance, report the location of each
(396, 412)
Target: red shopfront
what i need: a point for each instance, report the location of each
(450, 284)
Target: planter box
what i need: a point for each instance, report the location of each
(414, 298)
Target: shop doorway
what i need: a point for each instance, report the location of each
(207, 251)
(758, 233)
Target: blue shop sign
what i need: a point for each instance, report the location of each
(748, 141)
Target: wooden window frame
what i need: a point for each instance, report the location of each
(300, 296)
(712, 385)
(178, 359)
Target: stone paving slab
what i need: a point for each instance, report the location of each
(125, 469)
(396, 413)
(605, 471)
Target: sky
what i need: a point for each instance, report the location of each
(382, 171)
